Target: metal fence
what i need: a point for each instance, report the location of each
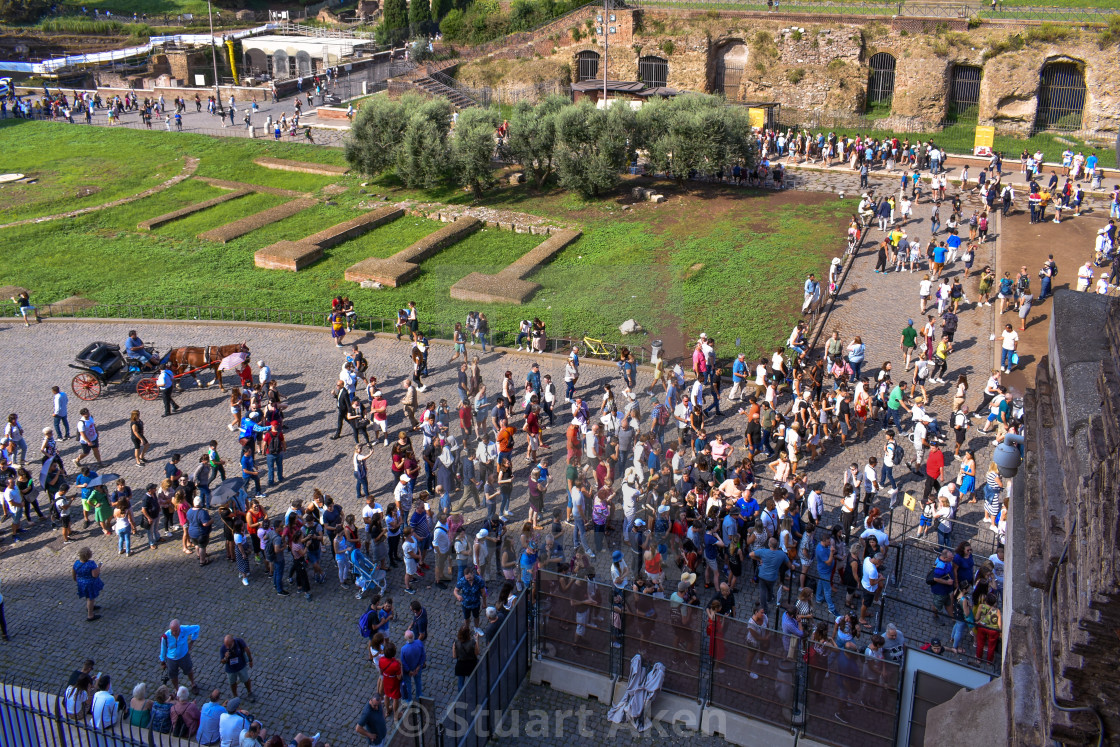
(480, 706)
(31, 717)
(871, 8)
(838, 697)
(362, 323)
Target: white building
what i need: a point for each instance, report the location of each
(288, 56)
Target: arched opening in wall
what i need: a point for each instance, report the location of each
(880, 86)
(1061, 97)
(653, 71)
(280, 62)
(587, 65)
(258, 62)
(303, 62)
(731, 60)
(964, 93)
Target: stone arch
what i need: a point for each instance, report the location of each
(303, 63)
(880, 84)
(1061, 95)
(728, 68)
(280, 64)
(653, 71)
(586, 65)
(257, 61)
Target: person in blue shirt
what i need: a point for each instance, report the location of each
(412, 662)
(250, 430)
(533, 378)
(825, 553)
(134, 349)
(738, 376)
(175, 652)
(249, 470)
(771, 561)
(712, 545)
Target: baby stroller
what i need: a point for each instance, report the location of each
(367, 575)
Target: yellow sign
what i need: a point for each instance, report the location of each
(757, 117)
(910, 502)
(985, 138)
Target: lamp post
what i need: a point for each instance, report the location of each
(214, 59)
(606, 45)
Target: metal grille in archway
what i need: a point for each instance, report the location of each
(1061, 97)
(587, 66)
(653, 71)
(729, 70)
(964, 94)
(880, 88)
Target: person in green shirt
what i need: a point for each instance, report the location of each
(908, 342)
(102, 510)
(895, 406)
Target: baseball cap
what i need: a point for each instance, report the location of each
(232, 705)
(404, 478)
(483, 534)
(616, 556)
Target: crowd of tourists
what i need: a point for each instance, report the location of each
(651, 478)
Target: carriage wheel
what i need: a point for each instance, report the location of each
(148, 389)
(86, 386)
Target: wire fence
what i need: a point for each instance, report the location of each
(871, 8)
(596, 349)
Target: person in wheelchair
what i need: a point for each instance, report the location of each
(136, 352)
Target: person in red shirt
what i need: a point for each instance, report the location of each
(505, 442)
(532, 427)
(391, 673)
(935, 466)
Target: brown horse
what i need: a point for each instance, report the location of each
(183, 360)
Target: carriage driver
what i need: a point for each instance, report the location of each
(134, 349)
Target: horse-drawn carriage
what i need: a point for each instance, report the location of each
(101, 363)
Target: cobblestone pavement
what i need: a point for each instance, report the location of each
(306, 651)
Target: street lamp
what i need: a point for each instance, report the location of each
(214, 58)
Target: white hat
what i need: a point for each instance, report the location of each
(404, 478)
(377, 393)
(703, 335)
(482, 534)
(260, 364)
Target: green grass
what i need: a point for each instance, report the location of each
(638, 264)
(161, 7)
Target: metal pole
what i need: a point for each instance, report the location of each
(214, 57)
(606, 50)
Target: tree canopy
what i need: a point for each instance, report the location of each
(585, 148)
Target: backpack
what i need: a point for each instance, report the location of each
(662, 415)
(364, 623)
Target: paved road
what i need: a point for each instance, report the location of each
(307, 649)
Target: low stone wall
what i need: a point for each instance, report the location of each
(227, 184)
(295, 255)
(303, 167)
(404, 265)
(238, 228)
(510, 285)
(198, 207)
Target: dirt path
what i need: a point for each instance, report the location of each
(189, 167)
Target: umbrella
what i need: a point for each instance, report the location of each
(103, 479)
(233, 361)
(227, 490)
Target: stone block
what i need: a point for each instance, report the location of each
(515, 179)
(238, 228)
(303, 167)
(657, 199)
(198, 207)
(287, 255)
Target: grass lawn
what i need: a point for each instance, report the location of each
(160, 7)
(728, 262)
